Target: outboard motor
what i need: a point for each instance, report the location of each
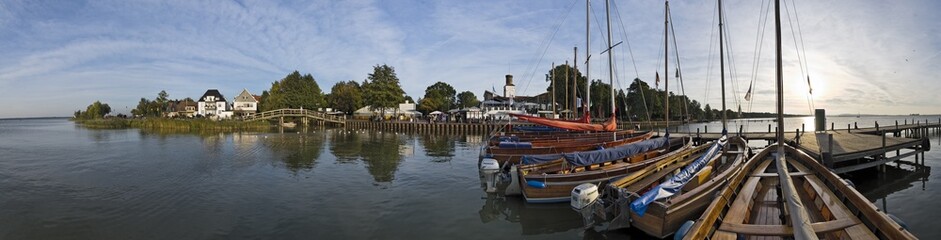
(584, 195)
(584, 199)
(489, 169)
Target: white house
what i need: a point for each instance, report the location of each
(245, 103)
(212, 103)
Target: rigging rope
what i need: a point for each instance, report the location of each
(547, 42)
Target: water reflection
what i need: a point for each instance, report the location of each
(535, 219)
(382, 155)
(896, 178)
(439, 147)
(298, 151)
(382, 152)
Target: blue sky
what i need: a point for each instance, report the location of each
(59, 56)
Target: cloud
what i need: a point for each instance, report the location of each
(874, 56)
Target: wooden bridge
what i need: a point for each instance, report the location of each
(306, 114)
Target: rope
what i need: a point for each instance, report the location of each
(535, 65)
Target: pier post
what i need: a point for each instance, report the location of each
(802, 128)
(706, 127)
(769, 128)
(832, 127)
(847, 127)
(797, 137)
(855, 126)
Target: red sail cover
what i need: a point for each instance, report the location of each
(607, 126)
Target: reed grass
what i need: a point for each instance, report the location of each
(174, 124)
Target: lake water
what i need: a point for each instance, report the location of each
(61, 181)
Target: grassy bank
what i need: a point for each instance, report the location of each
(174, 124)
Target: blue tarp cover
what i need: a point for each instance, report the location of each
(537, 129)
(516, 145)
(673, 186)
(602, 155)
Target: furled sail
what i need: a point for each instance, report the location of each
(608, 126)
(673, 186)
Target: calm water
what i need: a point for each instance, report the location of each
(59, 181)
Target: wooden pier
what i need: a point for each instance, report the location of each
(852, 148)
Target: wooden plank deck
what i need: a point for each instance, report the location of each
(847, 146)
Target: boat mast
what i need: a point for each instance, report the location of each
(575, 84)
(722, 69)
(552, 82)
(607, 6)
(800, 222)
(588, 56)
(666, 62)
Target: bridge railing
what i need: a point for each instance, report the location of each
(287, 112)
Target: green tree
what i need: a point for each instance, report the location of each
(294, 91)
(96, 110)
(346, 96)
(163, 101)
(600, 98)
(467, 99)
(381, 88)
(707, 113)
(557, 77)
(438, 97)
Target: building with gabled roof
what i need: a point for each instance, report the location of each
(212, 103)
(245, 103)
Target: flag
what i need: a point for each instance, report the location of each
(677, 72)
(657, 83)
(809, 86)
(748, 94)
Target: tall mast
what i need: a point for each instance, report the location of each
(566, 103)
(588, 55)
(800, 221)
(722, 68)
(666, 63)
(607, 10)
(552, 82)
(575, 84)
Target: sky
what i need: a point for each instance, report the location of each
(869, 57)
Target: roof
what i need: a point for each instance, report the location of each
(214, 93)
(257, 98)
(245, 96)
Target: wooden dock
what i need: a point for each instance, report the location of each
(852, 148)
(847, 152)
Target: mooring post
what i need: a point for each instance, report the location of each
(706, 127)
(828, 155)
(832, 128)
(847, 127)
(797, 133)
(769, 128)
(802, 128)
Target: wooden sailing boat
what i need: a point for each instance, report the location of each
(784, 193)
(552, 178)
(662, 198)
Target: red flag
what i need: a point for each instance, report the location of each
(657, 83)
(748, 94)
(809, 86)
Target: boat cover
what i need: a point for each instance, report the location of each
(516, 145)
(601, 155)
(537, 129)
(675, 183)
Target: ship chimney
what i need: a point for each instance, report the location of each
(509, 80)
